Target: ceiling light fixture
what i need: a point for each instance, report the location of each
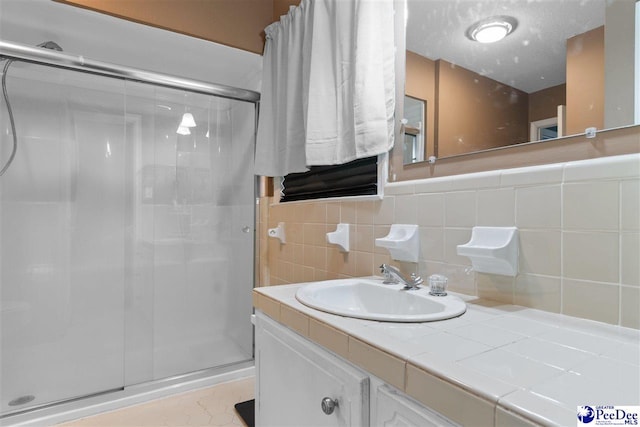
(492, 29)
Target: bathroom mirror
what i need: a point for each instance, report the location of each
(548, 78)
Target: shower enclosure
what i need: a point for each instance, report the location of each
(126, 239)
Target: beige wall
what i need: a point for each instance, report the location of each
(475, 112)
(585, 81)
(543, 104)
(465, 111)
(281, 7)
(236, 23)
(578, 227)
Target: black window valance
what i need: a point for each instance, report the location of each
(356, 178)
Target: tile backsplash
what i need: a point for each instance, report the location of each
(579, 225)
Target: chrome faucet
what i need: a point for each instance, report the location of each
(393, 275)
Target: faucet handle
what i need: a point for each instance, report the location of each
(416, 280)
(438, 285)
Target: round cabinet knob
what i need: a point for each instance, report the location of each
(246, 229)
(329, 405)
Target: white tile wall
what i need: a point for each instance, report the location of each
(430, 208)
(539, 206)
(602, 168)
(541, 292)
(452, 238)
(497, 288)
(578, 222)
(592, 205)
(405, 211)
(591, 255)
(536, 261)
(460, 209)
(595, 300)
(630, 205)
(579, 228)
(630, 258)
(495, 207)
(432, 242)
(539, 175)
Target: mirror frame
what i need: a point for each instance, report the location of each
(610, 142)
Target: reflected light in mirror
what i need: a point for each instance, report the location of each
(183, 130)
(188, 121)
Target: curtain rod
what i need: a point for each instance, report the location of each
(54, 58)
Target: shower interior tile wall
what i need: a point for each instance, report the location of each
(578, 223)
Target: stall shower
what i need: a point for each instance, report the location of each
(126, 234)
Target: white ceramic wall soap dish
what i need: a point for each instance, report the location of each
(340, 237)
(403, 242)
(492, 250)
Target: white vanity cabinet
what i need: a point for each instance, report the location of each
(294, 375)
(394, 409)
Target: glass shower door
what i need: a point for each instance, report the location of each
(192, 231)
(62, 238)
(126, 237)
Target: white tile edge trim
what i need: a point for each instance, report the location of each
(623, 166)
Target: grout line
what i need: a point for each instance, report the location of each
(562, 235)
(620, 252)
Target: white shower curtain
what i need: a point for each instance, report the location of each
(328, 86)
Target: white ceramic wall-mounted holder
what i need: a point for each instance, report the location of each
(403, 242)
(340, 237)
(492, 250)
(278, 232)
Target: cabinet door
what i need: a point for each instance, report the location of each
(293, 376)
(393, 409)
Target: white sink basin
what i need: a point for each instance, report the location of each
(370, 299)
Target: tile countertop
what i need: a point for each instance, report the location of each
(495, 365)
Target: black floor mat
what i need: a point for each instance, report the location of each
(246, 410)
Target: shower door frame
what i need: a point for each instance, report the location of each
(58, 59)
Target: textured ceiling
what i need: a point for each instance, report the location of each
(532, 58)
